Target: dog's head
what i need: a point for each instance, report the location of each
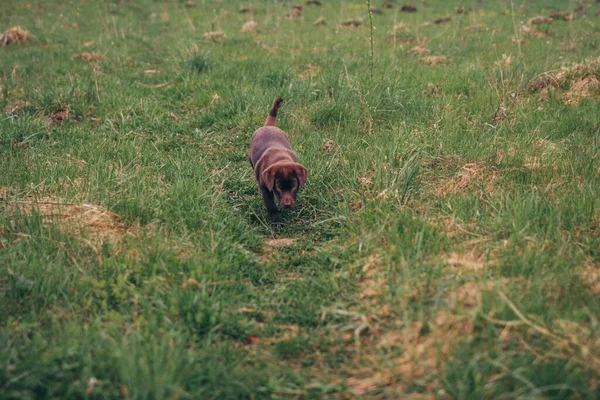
(284, 179)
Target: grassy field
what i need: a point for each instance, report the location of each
(446, 245)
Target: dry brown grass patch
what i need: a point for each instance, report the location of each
(93, 220)
(577, 82)
(250, 27)
(215, 36)
(539, 20)
(16, 35)
(352, 23)
(87, 57)
(416, 351)
(420, 50)
(442, 20)
(278, 243)
(532, 31)
(475, 177)
(435, 60)
(590, 276)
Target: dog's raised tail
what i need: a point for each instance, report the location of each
(272, 117)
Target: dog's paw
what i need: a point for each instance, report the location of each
(275, 221)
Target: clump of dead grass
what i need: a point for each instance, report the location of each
(59, 117)
(590, 276)
(532, 31)
(442, 20)
(560, 15)
(93, 220)
(475, 177)
(420, 50)
(87, 57)
(539, 20)
(352, 23)
(295, 12)
(16, 35)
(215, 36)
(408, 8)
(576, 83)
(250, 27)
(435, 60)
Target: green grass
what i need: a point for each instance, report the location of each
(446, 243)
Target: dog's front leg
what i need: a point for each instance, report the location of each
(267, 196)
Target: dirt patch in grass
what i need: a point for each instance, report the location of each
(278, 243)
(59, 117)
(408, 8)
(420, 50)
(539, 20)
(532, 31)
(590, 276)
(250, 27)
(16, 35)
(402, 352)
(296, 12)
(352, 23)
(87, 57)
(435, 60)
(442, 20)
(215, 36)
(93, 220)
(473, 177)
(573, 84)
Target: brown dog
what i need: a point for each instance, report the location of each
(275, 166)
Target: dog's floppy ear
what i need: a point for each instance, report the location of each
(268, 177)
(302, 174)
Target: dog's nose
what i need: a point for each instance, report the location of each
(287, 203)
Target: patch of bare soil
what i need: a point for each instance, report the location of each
(352, 23)
(215, 36)
(575, 83)
(59, 117)
(435, 60)
(539, 20)
(250, 27)
(247, 10)
(296, 12)
(87, 57)
(475, 177)
(420, 50)
(560, 15)
(421, 348)
(532, 31)
(94, 220)
(16, 35)
(590, 276)
(278, 243)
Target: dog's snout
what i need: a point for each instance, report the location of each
(287, 203)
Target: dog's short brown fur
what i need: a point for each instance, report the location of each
(275, 167)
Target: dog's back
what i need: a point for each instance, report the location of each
(265, 138)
